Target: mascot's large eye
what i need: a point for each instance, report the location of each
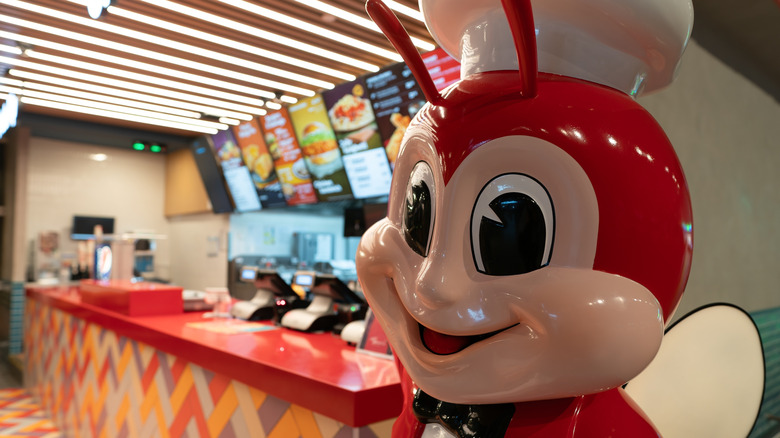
(512, 226)
(419, 211)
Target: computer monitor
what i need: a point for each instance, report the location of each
(331, 286)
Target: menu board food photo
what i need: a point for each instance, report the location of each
(237, 176)
(357, 132)
(396, 97)
(287, 157)
(320, 150)
(258, 160)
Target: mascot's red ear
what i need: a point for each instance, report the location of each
(521, 22)
(395, 32)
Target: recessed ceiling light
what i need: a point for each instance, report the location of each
(98, 157)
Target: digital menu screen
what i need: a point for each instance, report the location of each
(444, 69)
(320, 150)
(396, 98)
(237, 176)
(288, 159)
(357, 132)
(260, 164)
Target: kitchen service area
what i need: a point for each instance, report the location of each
(230, 253)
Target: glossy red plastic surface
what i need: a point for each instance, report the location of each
(133, 298)
(316, 371)
(641, 190)
(618, 223)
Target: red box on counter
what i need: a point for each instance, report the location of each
(133, 299)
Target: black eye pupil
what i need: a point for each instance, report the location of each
(417, 217)
(516, 244)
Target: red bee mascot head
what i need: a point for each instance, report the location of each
(539, 228)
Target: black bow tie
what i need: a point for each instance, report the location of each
(465, 421)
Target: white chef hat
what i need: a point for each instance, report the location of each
(632, 45)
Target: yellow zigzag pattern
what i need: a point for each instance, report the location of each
(94, 383)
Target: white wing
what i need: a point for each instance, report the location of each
(708, 377)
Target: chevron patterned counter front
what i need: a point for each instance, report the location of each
(93, 382)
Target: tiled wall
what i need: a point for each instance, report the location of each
(94, 383)
(768, 424)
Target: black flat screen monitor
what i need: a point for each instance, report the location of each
(83, 227)
(211, 175)
(269, 279)
(331, 286)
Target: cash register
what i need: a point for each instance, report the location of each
(333, 305)
(273, 298)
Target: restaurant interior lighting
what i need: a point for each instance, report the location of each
(128, 94)
(229, 121)
(99, 97)
(248, 48)
(125, 62)
(260, 33)
(109, 107)
(405, 10)
(359, 20)
(317, 30)
(131, 85)
(145, 78)
(116, 115)
(14, 50)
(164, 42)
(70, 62)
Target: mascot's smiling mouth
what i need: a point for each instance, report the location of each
(441, 344)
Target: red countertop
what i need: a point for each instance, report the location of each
(316, 371)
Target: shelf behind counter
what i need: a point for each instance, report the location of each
(316, 372)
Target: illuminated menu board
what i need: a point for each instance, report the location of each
(396, 98)
(288, 158)
(237, 176)
(444, 69)
(361, 146)
(260, 164)
(320, 150)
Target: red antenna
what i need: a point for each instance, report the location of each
(521, 22)
(395, 32)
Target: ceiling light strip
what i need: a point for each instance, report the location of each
(168, 43)
(216, 39)
(311, 28)
(114, 108)
(260, 33)
(10, 49)
(98, 68)
(106, 99)
(131, 85)
(115, 115)
(359, 20)
(37, 42)
(405, 10)
(234, 44)
(218, 112)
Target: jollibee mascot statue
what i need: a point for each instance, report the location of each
(539, 227)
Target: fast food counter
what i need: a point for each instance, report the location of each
(101, 373)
